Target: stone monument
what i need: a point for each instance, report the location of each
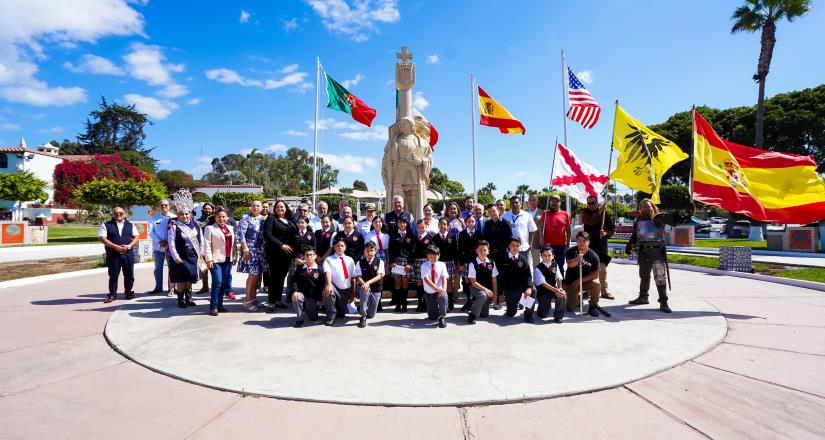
(408, 159)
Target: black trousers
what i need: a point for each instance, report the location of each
(278, 270)
(126, 263)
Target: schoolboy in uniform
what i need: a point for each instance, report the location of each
(467, 241)
(307, 288)
(368, 274)
(338, 269)
(515, 279)
(354, 240)
(548, 286)
(323, 236)
(448, 250)
(422, 243)
(435, 278)
(483, 275)
(401, 249)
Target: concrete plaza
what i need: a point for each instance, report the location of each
(60, 379)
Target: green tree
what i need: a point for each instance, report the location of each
(22, 187)
(234, 200)
(441, 182)
(360, 185)
(174, 180)
(672, 197)
(111, 193)
(763, 15)
(522, 191)
(116, 129)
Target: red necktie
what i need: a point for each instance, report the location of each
(515, 258)
(309, 271)
(380, 245)
(344, 265)
(432, 272)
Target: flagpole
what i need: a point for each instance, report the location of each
(315, 147)
(549, 185)
(564, 117)
(609, 168)
(473, 102)
(693, 154)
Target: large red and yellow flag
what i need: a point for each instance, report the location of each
(494, 114)
(764, 185)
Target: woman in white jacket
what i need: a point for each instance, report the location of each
(220, 253)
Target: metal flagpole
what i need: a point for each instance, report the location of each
(315, 148)
(549, 185)
(609, 167)
(693, 154)
(473, 102)
(564, 116)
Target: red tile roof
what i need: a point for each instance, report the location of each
(25, 150)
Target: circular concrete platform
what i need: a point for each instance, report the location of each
(406, 360)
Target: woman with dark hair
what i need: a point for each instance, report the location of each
(186, 249)
(250, 238)
(219, 252)
(281, 246)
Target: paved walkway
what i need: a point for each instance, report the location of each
(59, 379)
(26, 253)
(757, 256)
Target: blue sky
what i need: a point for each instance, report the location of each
(224, 77)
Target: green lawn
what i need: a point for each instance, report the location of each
(711, 262)
(813, 274)
(72, 234)
(716, 242)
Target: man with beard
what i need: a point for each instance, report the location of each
(600, 226)
(649, 239)
(557, 230)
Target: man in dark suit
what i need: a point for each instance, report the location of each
(119, 237)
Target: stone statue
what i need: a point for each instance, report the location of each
(408, 159)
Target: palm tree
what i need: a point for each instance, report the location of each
(762, 15)
(521, 190)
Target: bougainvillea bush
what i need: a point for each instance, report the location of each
(71, 174)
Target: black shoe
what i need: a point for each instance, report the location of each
(340, 315)
(510, 314)
(363, 322)
(641, 300)
(521, 307)
(665, 308)
(471, 319)
(603, 311)
(541, 315)
(329, 322)
(466, 307)
(222, 309)
(270, 309)
(190, 303)
(155, 291)
(109, 298)
(298, 323)
(592, 311)
(403, 308)
(181, 303)
(421, 308)
(529, 319)
(441, 323)
(397, 308)
(557, 320)
(130, 295)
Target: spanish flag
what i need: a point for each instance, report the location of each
(494, 115)
(764, 185)
(645, 155)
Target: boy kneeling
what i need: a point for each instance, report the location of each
(307, 288)
(368, 274)
(548, 286)
(515, 279)
(434, 275)
(338, 268)
(482, 274)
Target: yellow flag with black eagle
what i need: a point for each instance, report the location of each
(644, 156)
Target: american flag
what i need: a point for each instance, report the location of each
(583, 107)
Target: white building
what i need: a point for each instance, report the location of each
(40, 162)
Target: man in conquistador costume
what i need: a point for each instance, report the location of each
(649, 239)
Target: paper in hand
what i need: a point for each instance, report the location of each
(527, 302)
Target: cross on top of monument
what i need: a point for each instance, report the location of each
(404, 55)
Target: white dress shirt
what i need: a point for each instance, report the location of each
(440, 274)
(357, 271)
(523, 225)
(471, 272)
(101, 231)
(538, 277)
(333, 266)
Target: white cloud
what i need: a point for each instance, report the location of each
(147, 63)
(347, 83)
(96, 65)
(173, 91)
(296, 133)
(420, 102)
(202, 166)
(291, 78)
(432, 59)
(586, 76)
(358, 21)
(54, 130)
(325, 124)
(290, 25)
(375, 133)
(153, 107)
(518, 174)
(9, 127)
(194, 101)
(350, 164)
(164, 162)
(245, 16)
(25, 25)
(274, 148)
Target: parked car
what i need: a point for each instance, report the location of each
(718, 220)
(700, 226)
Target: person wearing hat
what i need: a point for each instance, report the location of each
(365, 225)
(557, 228)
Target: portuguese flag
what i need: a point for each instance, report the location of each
(765, 185)
(342, 100)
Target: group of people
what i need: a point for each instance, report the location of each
(516, 258)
